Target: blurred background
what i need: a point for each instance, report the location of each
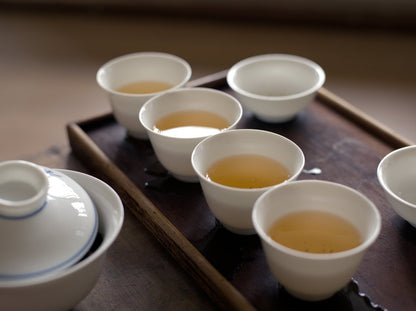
(50, 51)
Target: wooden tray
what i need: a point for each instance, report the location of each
(344, 143)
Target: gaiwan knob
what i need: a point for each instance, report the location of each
(23, 188)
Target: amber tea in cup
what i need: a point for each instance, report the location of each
(315, 232)
(248, 171)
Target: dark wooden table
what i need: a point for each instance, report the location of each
(141, 274)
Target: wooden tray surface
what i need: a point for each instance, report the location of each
(344, 143)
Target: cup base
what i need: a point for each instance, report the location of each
(269, 119)
(138, 135)
(249, 231)
(309, 297)
(188, 179)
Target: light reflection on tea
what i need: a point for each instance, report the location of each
(191, 123)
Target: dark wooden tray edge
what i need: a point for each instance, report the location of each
(362, 119)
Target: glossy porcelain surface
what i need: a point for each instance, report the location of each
(275, 87)
(233, 206)
(397, 175)
(141, 66)
(55, 234)
(312, 276)
(64, 289)
(175, 152)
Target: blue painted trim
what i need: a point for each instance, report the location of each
(7, 217)
(57, 267)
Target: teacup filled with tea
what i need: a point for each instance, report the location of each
(130, 80)
(314, 235)
(237, 166)
(178, 120)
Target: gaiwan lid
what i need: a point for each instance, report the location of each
(47, 221)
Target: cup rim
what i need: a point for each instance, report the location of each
(121, 58)
(246, 190)
(380, 173)
(316, 256)
(189, 89)
(276, 56)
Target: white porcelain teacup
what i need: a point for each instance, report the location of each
(173, 149)
(231, 205)
(150, 68)
(275, 87)
(315, 276)
(397, 175)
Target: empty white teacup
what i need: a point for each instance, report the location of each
(173, 148)
(315, 276)
(275, 87)
(155, 71)
(232, 206)
(397, 175)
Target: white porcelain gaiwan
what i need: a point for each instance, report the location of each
(64, 288)
(47, 221)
